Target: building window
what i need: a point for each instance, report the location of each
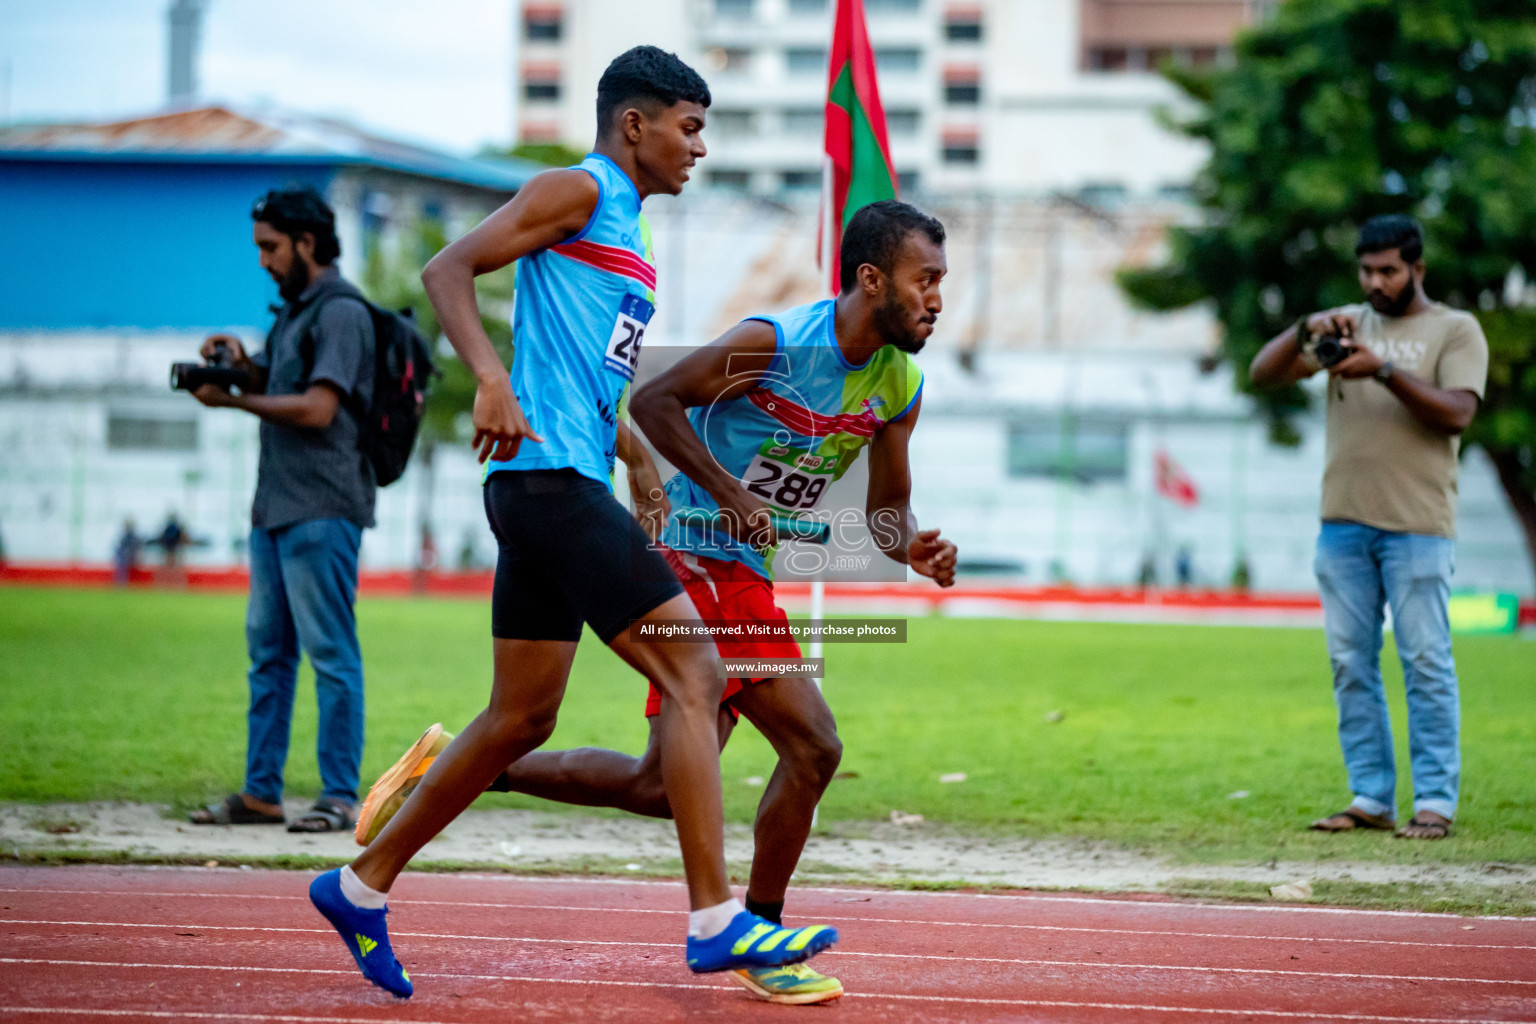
(734, 10)
(962, 153)
(962, 94)
(961, 146)
(1107, 58)
(892, 6)
(907, 181)
(805, 60)
(903, 122)
(802, 121)
(733, 123)
(800, 180)
(963, 28)
(542, 23)
(730, 59)
(541, 80)
(1145, 35)
(807, 6)
(730, 179)
(140, 432)
(897, 60)
(1069, 448)
(1104, 193)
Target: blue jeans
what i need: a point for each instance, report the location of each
(1359, 570)
(303, 587)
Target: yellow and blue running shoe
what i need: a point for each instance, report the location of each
(390, 792)
(749, 941)
(794, 984)
(364, 932)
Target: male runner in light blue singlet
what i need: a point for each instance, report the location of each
(569, 553)
(770, 414)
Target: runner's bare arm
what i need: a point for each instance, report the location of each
(651, 505)
(549, 209)
(724, 369)
(888, 510)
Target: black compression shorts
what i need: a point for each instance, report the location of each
(568, 553)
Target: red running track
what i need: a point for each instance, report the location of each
(164, 944)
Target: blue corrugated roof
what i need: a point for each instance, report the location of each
(221, 135)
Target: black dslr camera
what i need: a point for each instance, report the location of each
(1331, 350)
(220, 371)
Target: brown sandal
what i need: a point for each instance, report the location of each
(233, 811)
(327, 815)
(1437, 827)
(1350, 819)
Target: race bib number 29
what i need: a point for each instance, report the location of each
(623, 353)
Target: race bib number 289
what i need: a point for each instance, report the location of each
(623, 353)
(788, 478)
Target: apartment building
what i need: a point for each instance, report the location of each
(1003, 96)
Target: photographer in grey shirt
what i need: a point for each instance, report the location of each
(314, 497)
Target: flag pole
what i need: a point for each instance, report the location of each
(824, 242)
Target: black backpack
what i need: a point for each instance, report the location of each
(402, 368)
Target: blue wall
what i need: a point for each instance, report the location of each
(97, 244)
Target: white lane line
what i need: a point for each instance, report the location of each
(1103, 902)
(887, 996)
(840, 918)
(276, 1018)
(452, 937)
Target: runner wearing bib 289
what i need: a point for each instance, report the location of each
(821, 382)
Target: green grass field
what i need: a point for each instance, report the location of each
(141, 696)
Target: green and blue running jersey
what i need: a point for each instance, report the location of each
(578, 321)
(797, 430)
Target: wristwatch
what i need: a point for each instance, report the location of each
(1384, 372)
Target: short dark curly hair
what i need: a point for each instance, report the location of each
(297, 210)
(875, 234)
(648, 74)
(1392, 231)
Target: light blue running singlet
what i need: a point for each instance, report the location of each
(578, 320)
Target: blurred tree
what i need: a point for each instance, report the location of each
(1335, 111)
(392, 278)
(552, 154)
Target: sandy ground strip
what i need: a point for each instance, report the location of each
(869, 851)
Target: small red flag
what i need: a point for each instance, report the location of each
(1173, 482)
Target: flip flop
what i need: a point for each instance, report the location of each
(1437, 829)
(232, 811)
(327, 815)
(1349, 819)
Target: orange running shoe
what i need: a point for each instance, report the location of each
(393, 788)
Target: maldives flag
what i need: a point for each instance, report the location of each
(1173, 482)
(857, 166)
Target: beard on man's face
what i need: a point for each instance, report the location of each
(897, 328)
(292, 284)
(1396, 305)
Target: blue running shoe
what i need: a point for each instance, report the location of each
(750, 941)
(363, 931)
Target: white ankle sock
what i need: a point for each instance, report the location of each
(711, 921)
(358, 894)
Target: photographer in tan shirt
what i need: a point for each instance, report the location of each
(1405, 378)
